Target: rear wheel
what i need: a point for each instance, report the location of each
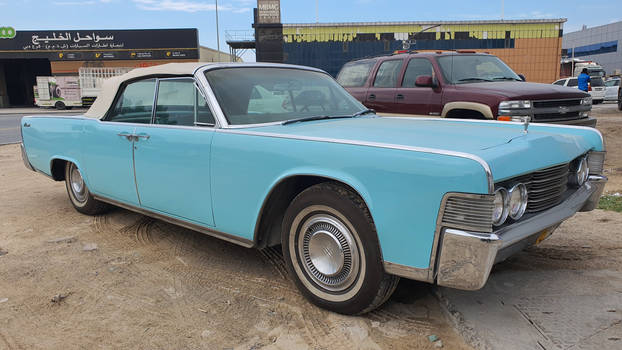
(79, 194)
(331, 250)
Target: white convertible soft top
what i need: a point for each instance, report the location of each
(111, 85)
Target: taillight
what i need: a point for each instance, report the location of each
(589, 87)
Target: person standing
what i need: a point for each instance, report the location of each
(583, 80)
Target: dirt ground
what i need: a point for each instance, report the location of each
(123, 280)
(610, 124)
(129, 281)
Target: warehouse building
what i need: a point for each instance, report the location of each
(531, 47)
(598, 44)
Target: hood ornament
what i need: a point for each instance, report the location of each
(526, 121)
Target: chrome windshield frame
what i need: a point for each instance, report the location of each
(222, 122)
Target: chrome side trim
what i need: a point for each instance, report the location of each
(492, 122)
(221, 235)
(473, 157)
(412, 273)
(25, 158)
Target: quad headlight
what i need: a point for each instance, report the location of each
(509, 203)
(580, 172)
(518, 201)
(500, 206)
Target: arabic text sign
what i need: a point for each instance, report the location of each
(56, 42)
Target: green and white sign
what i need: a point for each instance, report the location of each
(7, 33)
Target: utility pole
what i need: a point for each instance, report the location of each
(317, 11)
(502, 8)
(217, 33)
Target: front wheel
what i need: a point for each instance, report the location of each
(79, 194)
(331, 249)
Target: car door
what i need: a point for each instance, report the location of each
(612, 89)
(381, 94)
(172, 155)
(109, 165)
(412, 99)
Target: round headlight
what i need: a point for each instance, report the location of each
(518, 201)
(581, 173)
(500, 207)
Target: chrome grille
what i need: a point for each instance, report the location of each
(545, 187)
(470, 212)
(551, 110)
(556, 103)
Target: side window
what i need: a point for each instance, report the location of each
(179, 103)
(559, 82)
(388, 73)
(135, 103)
(204, 113)
(573, 82)
(415, 68)
(355, 74)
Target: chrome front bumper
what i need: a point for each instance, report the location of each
(466, 258)
(25, 157)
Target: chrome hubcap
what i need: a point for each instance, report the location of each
(77, 184)
(329, 254)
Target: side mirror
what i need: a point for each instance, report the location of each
(425, 80)
(522, 77)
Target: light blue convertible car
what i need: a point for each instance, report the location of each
(355, 200)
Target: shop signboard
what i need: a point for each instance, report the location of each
(93, 45)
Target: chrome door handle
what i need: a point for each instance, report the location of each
(127, 135)
(144, 136)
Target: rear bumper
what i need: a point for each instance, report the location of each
(25, 157)
(466, 258)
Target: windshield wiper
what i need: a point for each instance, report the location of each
(365, 111)
(321, 117)
(474, 79)
(505, 78)
(315, 117)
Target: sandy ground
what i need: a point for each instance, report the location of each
(152, 285)
(610, 124)
(130, 281)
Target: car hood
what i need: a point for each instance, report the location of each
(521, 90)
(507, 149)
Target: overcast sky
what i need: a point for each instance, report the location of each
(238, 14)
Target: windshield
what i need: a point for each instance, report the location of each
(597, 81)
(256, 95)
(596, 72)
(461, 69)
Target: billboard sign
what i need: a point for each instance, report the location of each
(102, 44)
(268, 11)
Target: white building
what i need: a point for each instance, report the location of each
(600, 44)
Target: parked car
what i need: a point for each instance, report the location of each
(354, 200)
(612, 88)
(460, 85)
(596, 87)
